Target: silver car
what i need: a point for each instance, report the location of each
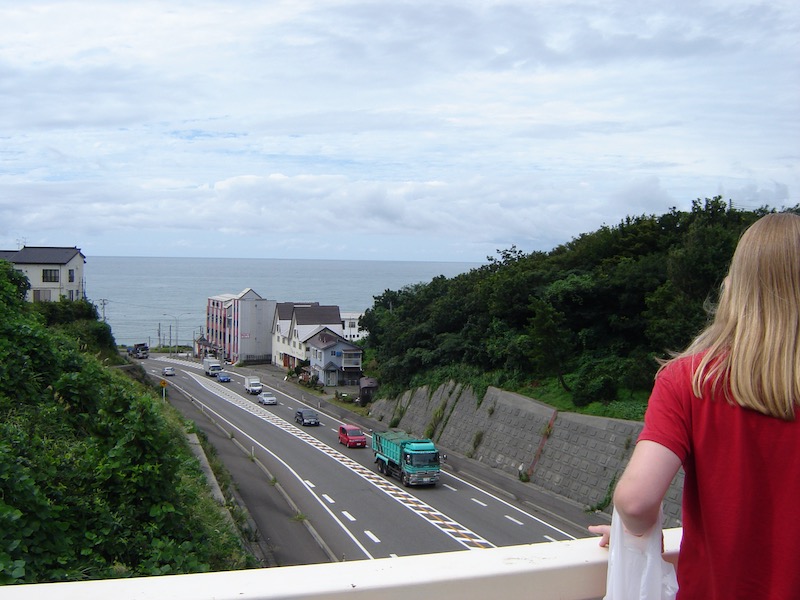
(267, 398)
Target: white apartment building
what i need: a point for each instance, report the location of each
(352, 332)
(294, 324)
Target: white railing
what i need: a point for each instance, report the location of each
(572, 570)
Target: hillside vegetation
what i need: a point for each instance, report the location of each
(579, 327)
(96, 479)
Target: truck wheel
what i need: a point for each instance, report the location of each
(381, 468)
(404, 479)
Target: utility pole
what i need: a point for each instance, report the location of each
(103, 303)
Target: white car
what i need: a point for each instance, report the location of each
(267, 398)
(168, 371)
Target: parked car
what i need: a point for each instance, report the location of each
(306, 416)
(267, 398)
(167, 371)
(352, 437)
(223, 377)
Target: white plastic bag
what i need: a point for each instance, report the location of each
(636, 569)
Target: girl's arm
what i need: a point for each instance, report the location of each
(641, 489)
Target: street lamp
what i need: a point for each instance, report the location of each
(176, 326)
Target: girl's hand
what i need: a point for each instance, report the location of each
(604, 531)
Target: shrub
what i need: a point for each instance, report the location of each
(598, 381)
(96, 478)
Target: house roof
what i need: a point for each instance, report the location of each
(285, 310)
(367, 382)
(249, 293)
(42, 255)
(317, 315)
(324, 338)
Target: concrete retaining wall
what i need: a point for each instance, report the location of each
(574, 456)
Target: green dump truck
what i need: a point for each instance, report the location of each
(412, 460)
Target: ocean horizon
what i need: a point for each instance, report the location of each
(163, 299)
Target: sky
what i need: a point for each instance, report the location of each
(366, 129)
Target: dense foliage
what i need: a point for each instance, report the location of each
(591, 314)
(95, 477)
(79, 320)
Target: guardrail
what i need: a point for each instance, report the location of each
(571, 570)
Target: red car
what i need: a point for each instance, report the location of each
(352, 437)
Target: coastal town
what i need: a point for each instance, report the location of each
(241, 328)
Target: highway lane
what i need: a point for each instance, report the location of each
(316, 476)
(360, 513)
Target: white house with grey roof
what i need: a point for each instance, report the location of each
(294, 324)
(53, 272)
(281, 328)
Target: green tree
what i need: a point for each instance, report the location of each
(551, 343)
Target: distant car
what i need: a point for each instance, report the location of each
(167, 371)
(352, 437)
(267, 398)
(223, 377)
(306, 417)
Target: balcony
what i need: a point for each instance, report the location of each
(572, 570)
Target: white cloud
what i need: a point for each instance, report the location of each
(412, 131)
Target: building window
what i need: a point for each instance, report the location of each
(72, 275)
(351, 359)
(50, 275)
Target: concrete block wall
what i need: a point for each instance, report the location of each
(512, 432)
(584, 456)
(575, 456)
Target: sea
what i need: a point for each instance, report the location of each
(163, 300)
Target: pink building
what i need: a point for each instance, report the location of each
(239, 327)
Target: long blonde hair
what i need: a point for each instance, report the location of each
(753, 342)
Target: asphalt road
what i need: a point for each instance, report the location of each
(282, 538)
(287, 540)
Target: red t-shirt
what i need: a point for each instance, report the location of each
(741, 492)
